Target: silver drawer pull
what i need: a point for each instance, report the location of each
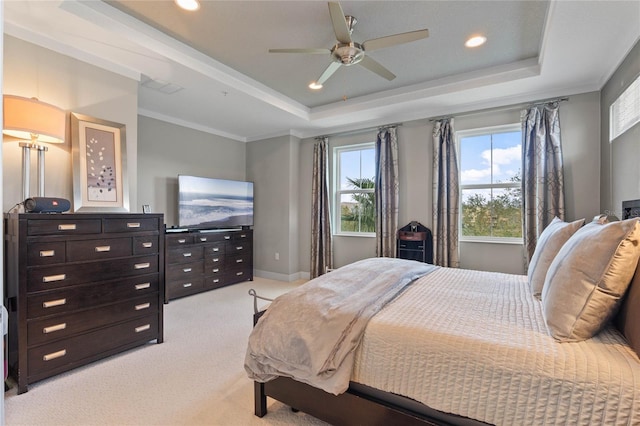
(243, 236)
(239, 273)
(227, 237)
(143, 306)
(102, 249)
(142, 265)
(147, 245)
(133, 224)
(143, 286)
(203, 239)
(53, 303)
(215, 249)
(186, 254)
(52, 278)
(53, 328)
(216, 259)
(187, 285)
(238, 260)
(239, 248)
(217, 280)
(186, 270)
(182, 241)
(54, 355)
(67, 227)
(216, 270)
(47, 253)
(143, 328)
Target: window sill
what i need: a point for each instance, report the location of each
(492, 241)
(360, 235)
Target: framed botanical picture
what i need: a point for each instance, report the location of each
(99, 165)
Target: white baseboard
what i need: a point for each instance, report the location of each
(282, 277)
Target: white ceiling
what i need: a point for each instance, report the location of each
(231, 86)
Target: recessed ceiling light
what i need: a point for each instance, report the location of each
(188, 4)
(315, 86)
(475, 41)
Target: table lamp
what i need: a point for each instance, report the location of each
(30, 119)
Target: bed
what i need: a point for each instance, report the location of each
(454, 346)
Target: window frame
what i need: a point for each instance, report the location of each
(337, 192)
(627, 103)
(491, 130)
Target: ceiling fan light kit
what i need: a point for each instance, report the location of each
(347, 52)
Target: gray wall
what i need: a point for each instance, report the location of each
(74, 86)
(166, 150)
(620, 171)
(272, 164)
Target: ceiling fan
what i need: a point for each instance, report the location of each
(347, 52)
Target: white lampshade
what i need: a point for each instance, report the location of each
(25, 118)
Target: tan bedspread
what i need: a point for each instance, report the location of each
(311, 333)
(475, 344)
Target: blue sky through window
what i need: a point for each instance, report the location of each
(355, 165)
(476, 158)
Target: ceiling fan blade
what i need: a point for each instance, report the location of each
(373, 65)
(333, 67)
(340, 27)
(311, 51)
(392, 40)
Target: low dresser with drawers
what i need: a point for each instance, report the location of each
(80, 287)
(197, 261)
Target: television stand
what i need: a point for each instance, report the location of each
(203, 260)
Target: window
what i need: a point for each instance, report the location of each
(354, 208)
(490, 179)
(624, 112)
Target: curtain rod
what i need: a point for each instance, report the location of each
(358, 131)
(500, 108)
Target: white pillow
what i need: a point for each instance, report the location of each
(588, 277)
(549, 244)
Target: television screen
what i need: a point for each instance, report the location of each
(214, 203)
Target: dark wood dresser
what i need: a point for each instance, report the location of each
(80, 287)
(199, 261)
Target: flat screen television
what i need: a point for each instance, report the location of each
(208, 203)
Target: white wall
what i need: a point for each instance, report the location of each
(74, 86)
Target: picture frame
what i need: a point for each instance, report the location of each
(100, 182)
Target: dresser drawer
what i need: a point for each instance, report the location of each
(49, 277)
(48, 329)
(106, 248)
(46, 253)
(55, 356)
(238, 246)
(237, 261)
(181, 288)
(178, 240)
(130, 224)
(215, 281)
(215, 249)
(213, 269)
(242, 235)
(89, 295)
(184, 271)
(214, 261)
(64, 226)
(237, 276)
(146, 245)
(184, 254)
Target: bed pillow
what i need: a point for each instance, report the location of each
(588, 277)
(628, 319)
(549, 244)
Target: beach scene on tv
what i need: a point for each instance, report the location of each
(214, 203)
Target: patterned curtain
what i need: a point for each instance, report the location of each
(321, 250)
(386, 191)
(446, 195)
(542, 175)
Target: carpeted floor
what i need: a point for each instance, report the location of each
(196, 377)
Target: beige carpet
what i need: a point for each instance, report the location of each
(196, 377)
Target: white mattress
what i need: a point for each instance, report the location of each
(475, 344)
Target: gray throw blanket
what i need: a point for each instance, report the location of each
(311, 332)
